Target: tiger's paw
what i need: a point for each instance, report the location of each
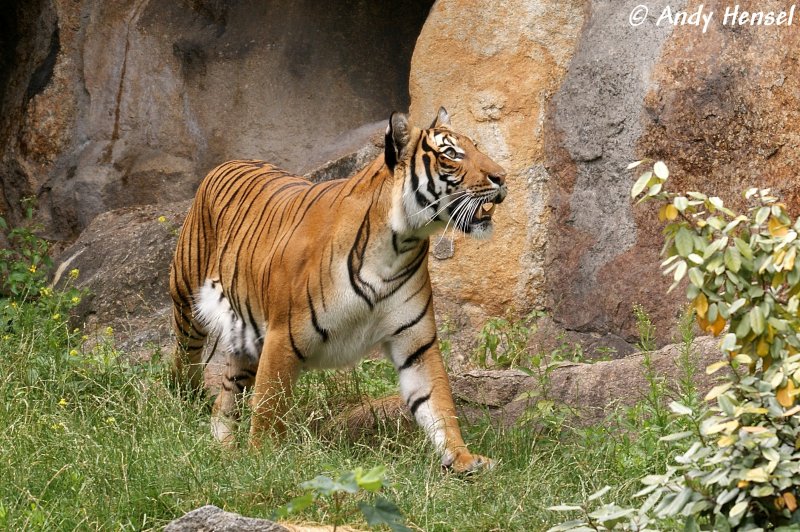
(466, 463)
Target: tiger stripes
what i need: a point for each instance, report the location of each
(286, 275)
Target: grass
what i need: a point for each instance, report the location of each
(90, 442)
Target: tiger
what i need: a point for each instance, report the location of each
(287, 275)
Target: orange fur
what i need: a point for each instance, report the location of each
(293, 275)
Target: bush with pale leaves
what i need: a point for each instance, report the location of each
(740, 466)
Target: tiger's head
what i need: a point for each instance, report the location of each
(446, 180)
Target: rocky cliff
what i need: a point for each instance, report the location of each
(111, 104)
(107, 104)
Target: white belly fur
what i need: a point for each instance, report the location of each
(355, 331)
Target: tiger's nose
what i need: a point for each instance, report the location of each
(497, 178)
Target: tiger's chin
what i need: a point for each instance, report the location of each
(481, 231)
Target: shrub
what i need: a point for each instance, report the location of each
(24, 264)
(740, 465)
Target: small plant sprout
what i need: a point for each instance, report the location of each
(380, 511)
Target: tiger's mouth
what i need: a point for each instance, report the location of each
(483, 213)
(482, 217)
(473, 215)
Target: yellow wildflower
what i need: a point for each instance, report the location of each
(162, 219)
(73, 353)
(63, 402)
(109, 331)
(56, 317)
(110, 420)
(73, 273)
(6, 337)
(32, 269)
(76, 300)
(46, 292)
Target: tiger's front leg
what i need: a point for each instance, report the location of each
(278, 370)
(425, 389)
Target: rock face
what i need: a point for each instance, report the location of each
(565, 95)
(108, 104)
(123, 261)
(503, 60)
(111, 104)
(592, 391)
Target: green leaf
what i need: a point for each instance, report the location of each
(680, 271)
(733, 223)
(691, 525)
(661, 170)
(736, 305)
(298, 504)
(677, 436)
(634, 164)
(680, 409)
(678, 503)
(697, 195)
(684, 242)
(733, 260)
(321, 484)
(716, 366)
(599, 494)
(718, 390)
(728, 342)
(761, 215)
(640, 184)
(757, 322)
(681, 203)
(696, 277)
(384, 512)
(757, 474)
(373, 480)
(694, 257)
(738, 508)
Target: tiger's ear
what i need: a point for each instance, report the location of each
(397, 138)
(442, 119)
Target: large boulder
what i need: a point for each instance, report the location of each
(210, 518)
(503, 60)
(123, 260)
(565, 95)
(591, 390)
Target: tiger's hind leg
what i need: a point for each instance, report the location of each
(241, 342)
(187, 363)
(238, 377)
